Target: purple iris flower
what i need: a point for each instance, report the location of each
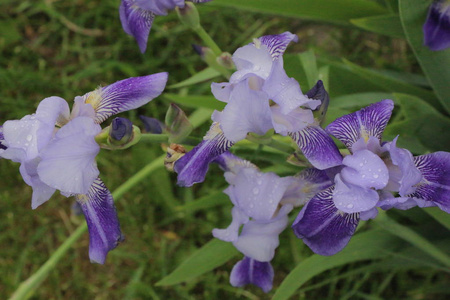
(367, 179)
(259, 96)
(137, 16)
(56, 148)
(436, 29)
(261, 202)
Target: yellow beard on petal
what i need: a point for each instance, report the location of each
(94, 98)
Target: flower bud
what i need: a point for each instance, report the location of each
(121, 134)
(188, 15)
(152, 125)
(177, 124)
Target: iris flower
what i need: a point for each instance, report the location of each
(259, 96)
(137, 16)
(261, 202)
(56, 148)
(374, 175)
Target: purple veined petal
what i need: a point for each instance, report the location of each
(351, 198)
(258, 240)
(365, 169)
(192, 167)
(364, 123)
(436, 30)
(159, 7)
(25, 138)
(250, 271)
(247, 111)
(403, 170)
(277, 44)
(435, 184)
(294, 121)
(306, 185)
(125, 95)
(41, 191)
(230, 234)
(101, 217)
(286, 91)
(68, 162)
(136, 22)
(388, 201)
(318, 147)
(322, 227)
(258, 194)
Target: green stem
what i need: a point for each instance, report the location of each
(29, 286)
(208, 40)
(164, 138)
(272, 143)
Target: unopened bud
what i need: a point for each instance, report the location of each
(177, 124)
(226, 61)
(188, 15)
(318, 92)
(121, 134)
(152, 125)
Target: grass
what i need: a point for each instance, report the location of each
(68, 48)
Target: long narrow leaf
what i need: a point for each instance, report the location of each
(386, 24)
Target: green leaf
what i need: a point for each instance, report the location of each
(412, 237)
(439, 215)
(209, 201)
(308, 60)
(358, 100)
(196, 101)
(423, 125)
(386, 24)
(204, 75)
(213, 254)
(391, 84)
(372, 244)
(434, 63)
(335, 11)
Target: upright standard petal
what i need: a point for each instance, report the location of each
(101, 217)
(435, 184)
(159, 7)
(436, 30)
(136, 22)
(68, 162)
(277, 44)
(247, 111)
(250, 271)
(367, 122)
(125, 95)
(192, 167)
(318, 147)
(322, 227)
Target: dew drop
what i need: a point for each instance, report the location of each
(375, 175)
(255, 190)
(350, 205)
(361, 164)
(29, 137)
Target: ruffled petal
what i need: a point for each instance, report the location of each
(367, 122)
(365, 169)
(250, 271)
(258, 194)
(435, 184)
(192, 167)
(125, 95)
(322, 227)
(388, 201)
(286, 91)
(294, 121)
(222, 90)
(101, 217)
(436, 30)
(41, 191)
(230, 234)
(136, 22)
(68, 162)
(277, 44)
(258, 240)
(318, 147)
(247, 111)
(403, 163)
(251, 59)
(351, 198)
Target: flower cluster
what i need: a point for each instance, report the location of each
(337, 192)
(56, 149)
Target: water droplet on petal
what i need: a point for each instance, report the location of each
(350, 205)
(375, 175)
(29, 137)
(255, 190)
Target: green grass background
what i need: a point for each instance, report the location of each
(67, 48)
